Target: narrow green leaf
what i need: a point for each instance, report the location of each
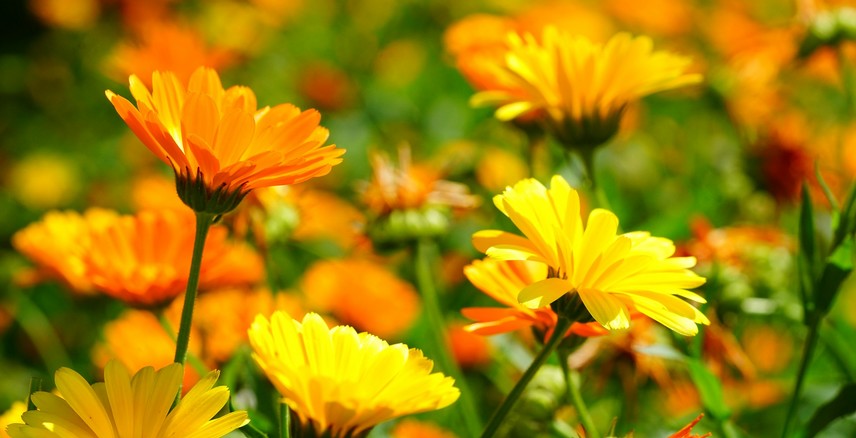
(826, 191)
(709, 388)
(847, 218)
(838, 267)
(841, 405)
(807, 258)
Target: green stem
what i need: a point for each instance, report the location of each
(572, 378)
(41, 332)
(203, 223)
(425, 255)
(810, 343)
(284, 420)
(194, 361)
(498, 417)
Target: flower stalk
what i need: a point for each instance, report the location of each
(562, 326)
(572, 379)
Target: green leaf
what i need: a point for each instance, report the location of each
(807, 258)
(846, 219)
(709, 388)
(841, 405)
(838, 267)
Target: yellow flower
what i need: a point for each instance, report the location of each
(612, 274)
(12, 416)
(219, 143)
(126, 406)
(582, 87)
(341, 383)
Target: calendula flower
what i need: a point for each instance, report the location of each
(144, 259)
(362, 294)
(129, 406)
(12, 416)
(580, 86)
(57, 243)
(612, 274)
(219, 143)
(339, 383)
(413, 429)
(502, 280)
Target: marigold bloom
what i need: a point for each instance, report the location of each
(341, 383)
(144, 259)
(582, 87)
(502, 280)
(12, 416)
(219, 143)
(418, 429)
(612, 274)
(363, 294)
(126, 406)
(57, 243)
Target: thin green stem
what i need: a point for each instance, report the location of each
(194, 361)
(41, 332)
(810, 343)
(203, 223)
(498, 417)
(426, 253)
(572, 379)
(284, 420)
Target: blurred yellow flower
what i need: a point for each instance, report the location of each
(125, 405)
(12, 416)
(68, 14)
(582, 87)
(219, 143)
(43, 181)
(166, 46)
(58, 242)
(341, 383)
(363, 294)
(498, 169)
(155, 192)
(144, 259)
(611, 274)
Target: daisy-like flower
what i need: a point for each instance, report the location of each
(612, 274)
(144, 259)
(339, 383)
(582, 87)
(502, 280)
(219, 143)
(129, 406)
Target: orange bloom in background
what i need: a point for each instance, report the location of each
(224, 331)
(408, 428)
(502, 280)
(56, 245)
(219, 143)
(659, 17)
(729, 245)
(499, 168)
(123, 340)
(166, 46)
(770, 349)
(155, 192)
(326, 87)
(469, 349)
(362, 294)
(144, 260)
(686, 431)
(68, 14)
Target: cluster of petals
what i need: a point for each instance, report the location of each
(571, 78)
(126, 406)
(613, 274)
(342, 383)
(221, 136)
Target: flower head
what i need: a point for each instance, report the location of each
(126, 406)
(144, 259)
(611, 274)
(219, 143)
(341, 383)
(582, 87)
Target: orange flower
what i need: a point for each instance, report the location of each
(362, 294)
(165, 45)
(408, 428)
(57, 243)
(222, 332)
(144, 259)
(219, 143)
(659, 17)
(502, 280)
(686, 431)
(123, 340)
(730, 245)
(155, 192)
(469, 349)
(68, 14)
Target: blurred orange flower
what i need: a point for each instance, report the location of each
(729, 245)
(68, 14)
(155, 192)
(222, 332)
(144, 260)
(166, 46)
(362, 294)
(498, 169)
(57, 243)
(686, 431)
(502, 280)
(123, 340)
(219, 143)
(658, 17)
(469, 349)
(408, 428)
